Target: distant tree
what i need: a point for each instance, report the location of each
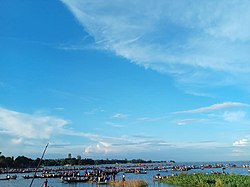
(2, 162)
(36, 162)
(23, 162)
(79, 158)
(9, 162)
(69, 156)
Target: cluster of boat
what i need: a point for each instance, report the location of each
(8, 177)
(47, 174)
(97, 176)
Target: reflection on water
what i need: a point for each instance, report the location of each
(56, 182)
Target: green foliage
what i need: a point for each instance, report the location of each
(130, 183)
(208, 180)
(24, 162)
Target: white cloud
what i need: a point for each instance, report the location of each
(214, 107)
(29, 126)
(241, 143)
(234, 116)
(17, 140)
(100, 148)
(198, 42)
(123, 145)
(120, 116)
(187, 121)
(88, 149)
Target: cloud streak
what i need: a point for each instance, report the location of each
(241, 143)
(197, 42)
(120, 116)
(215, 107)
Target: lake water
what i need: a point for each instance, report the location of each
(56, 182)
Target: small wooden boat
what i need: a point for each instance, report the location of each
(8, 177)
(11, 176)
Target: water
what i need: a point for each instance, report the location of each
(56, 182)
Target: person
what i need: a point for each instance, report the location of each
(45, 183)
(123, 177)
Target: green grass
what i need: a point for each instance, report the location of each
(129, 183)
(208, 180)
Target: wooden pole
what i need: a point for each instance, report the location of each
(39, 164)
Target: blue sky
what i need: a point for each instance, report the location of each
(125, 79)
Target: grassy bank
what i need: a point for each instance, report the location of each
(208, 180)
(130, 183)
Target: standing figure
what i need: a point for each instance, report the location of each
(45, 183)
(123, 177)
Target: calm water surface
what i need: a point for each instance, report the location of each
(20, 182)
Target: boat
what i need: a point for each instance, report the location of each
(163, 170)
(75, 179)
(140, 172)
(8, 177)
(11, 176)
(158, 177)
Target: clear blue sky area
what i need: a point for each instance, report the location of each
(158, 80)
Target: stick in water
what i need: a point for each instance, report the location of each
(39, 164)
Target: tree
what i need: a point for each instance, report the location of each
(69, 156)
(9, 161)
(2, 162)
(23, 162)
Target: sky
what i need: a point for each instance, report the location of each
(156, 80)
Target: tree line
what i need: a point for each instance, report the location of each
(25, 162)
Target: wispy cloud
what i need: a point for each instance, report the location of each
(188, 121)
(29, 126)
(241, 143)
(214, 107)
(120, 116)
(94, 111)
(59, 108)
(234, 116)
(114, 124)
(200, 43)
(122, 144)
(17, 140)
